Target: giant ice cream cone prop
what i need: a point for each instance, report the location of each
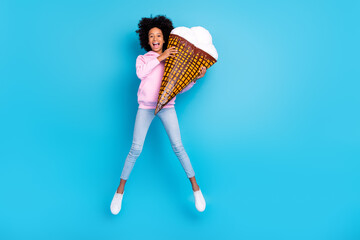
(195, 49)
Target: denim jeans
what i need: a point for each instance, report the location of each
(143, 120)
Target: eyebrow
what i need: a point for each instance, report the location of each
(153, 33)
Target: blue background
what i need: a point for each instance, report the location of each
(272, 130)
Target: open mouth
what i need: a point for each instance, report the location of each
(156, 44)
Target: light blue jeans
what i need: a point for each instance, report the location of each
(143, 120)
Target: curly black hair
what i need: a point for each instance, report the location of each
(145, 24)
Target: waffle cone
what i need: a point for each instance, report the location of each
(181, 70)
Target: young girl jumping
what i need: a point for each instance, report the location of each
(154, 34)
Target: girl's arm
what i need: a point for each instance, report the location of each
(187, 88)
(143, 68)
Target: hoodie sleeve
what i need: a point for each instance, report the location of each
(187, 88)
(143, 68)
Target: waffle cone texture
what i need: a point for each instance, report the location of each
(181, 70)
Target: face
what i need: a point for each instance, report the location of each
(156, 40)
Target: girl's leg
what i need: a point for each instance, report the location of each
(143, 120)
(171, 124)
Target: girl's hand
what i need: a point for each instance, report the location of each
(170, 52)
(202, 73)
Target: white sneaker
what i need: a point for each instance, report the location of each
(115, 206)
(200, 203)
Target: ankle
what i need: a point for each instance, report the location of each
(196, 188)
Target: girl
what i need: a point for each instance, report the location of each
(154, 34)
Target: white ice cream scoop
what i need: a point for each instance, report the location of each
(198, 36)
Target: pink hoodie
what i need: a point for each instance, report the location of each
(150, 71)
